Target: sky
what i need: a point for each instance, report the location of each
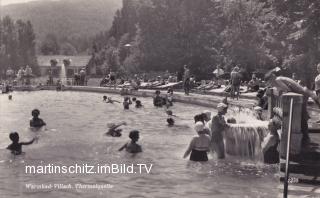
(7, 2)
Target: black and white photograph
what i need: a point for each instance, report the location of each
(160, 98)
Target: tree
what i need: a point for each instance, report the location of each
(50, 45)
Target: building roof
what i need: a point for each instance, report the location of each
(76, 61)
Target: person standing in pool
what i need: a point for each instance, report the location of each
(126, 102)
(16, 147)
(132, 146)
(199, 146)
(218, 125)
(270, 143)
(36, 122)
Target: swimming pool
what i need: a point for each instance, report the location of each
(76, 123)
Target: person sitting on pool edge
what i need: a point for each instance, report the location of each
(218, 126)
(199, 146)
(286, 84)
(132, 147)
(36, 122)
(126, 102)
(16, 147)
(113, 131)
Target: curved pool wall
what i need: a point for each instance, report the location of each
(207, 101)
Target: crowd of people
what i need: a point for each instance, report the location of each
(210, 129)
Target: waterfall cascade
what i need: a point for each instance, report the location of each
(244, 138)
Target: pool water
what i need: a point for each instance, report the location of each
(76, 123)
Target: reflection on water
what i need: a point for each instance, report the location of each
(76, 123)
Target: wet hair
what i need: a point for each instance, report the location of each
(134, 99)
(138, 103)
(231, 121)
(170, 121)
(105, 97)
(261, 93)
(134, 134)
(35, 112)
(14, 137)
(199, 118)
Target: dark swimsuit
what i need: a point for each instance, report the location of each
(271, 156)
(198, 156)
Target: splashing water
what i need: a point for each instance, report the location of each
(244, 138)
(63, 75)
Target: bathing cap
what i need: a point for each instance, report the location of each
(221, 107)
(199, 126)
(257, 108)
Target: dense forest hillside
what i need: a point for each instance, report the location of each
(67, 18)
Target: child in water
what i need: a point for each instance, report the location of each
(36, 122)
(113, 131)
(199, 146)
(169, 98)
(138, 104)
(132, 147)
(170, 122)
(16, 147)
(126, 102)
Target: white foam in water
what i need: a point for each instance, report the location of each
(244, 138)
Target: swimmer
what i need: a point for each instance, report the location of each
(170, 113)
(132, 147)
(36, 122)
(199, 146)
(16, 147)
(218, 126)
(231, 121)
(158, 100)
(169, 98)
(10, 97)
(134, 99)
(113, 131)
(110, 100)
(138, 104)
(105, 98)
(170, 122)
(126, 102)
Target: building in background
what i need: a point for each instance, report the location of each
(53, 63)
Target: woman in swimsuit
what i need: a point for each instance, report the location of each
(199, 146)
